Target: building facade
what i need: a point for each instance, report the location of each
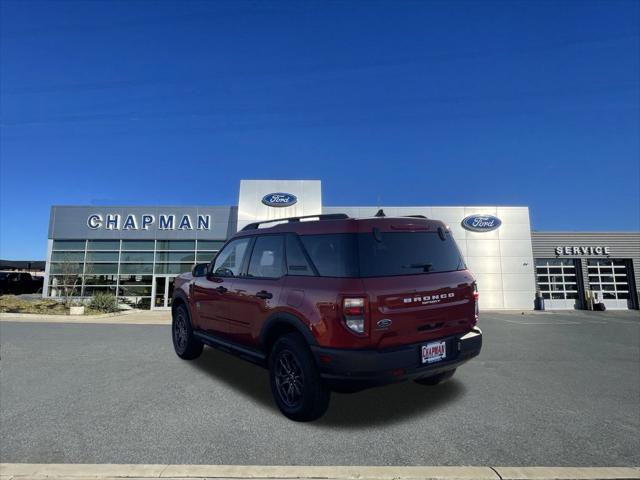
(136, 252)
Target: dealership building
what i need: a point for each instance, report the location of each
(136, 252)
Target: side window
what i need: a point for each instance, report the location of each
(297, 263)
(267, 259)
(229, 261)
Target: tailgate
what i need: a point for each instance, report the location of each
(414, 308)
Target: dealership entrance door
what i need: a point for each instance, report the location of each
(162, 292)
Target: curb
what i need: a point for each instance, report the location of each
(24, 471)
(127, 317)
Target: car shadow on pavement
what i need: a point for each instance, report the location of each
(389, 404)
(377, 406)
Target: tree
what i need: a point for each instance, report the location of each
(68, 274)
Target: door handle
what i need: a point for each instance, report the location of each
(220, 289)
(264, 294)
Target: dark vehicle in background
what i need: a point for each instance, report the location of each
(333, 303)
(18, 283)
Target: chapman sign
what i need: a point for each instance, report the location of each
(146, 221)
(589, 250)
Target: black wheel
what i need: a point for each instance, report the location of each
(436, 379)
(296, 385)
(186, 345)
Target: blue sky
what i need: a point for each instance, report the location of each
(415, 103)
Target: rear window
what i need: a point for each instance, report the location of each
(384, 254)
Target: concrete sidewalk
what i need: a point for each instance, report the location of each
(22, 471)
(126, 317)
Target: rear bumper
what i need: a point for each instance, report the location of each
(359, 369)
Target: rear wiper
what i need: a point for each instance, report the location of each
(425, 266)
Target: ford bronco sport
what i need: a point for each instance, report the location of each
(333, 303)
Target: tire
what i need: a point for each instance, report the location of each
(297, 388)
(186, 345)
(436, 379)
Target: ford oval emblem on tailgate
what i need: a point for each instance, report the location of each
(384, 323)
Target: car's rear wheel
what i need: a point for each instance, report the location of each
(297, 388)
(436, 379)
(186, 345)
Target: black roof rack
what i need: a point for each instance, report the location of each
(326, 216)
(416, 216)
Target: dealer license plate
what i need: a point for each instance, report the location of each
(434, 352)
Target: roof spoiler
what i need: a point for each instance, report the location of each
(326, 216)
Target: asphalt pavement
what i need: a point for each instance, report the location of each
(548, 389)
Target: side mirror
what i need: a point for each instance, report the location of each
(199, 270)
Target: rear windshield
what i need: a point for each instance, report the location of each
(384, 254)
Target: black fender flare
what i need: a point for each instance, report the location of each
(280, 318)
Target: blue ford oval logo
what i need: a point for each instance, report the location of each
(481, 223)
(384, 323)
(279, 199)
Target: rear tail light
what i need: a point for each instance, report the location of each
(476, 295)
(355, 314)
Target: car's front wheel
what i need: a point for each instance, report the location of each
(186, 345)
(436, 379)
(296, 385)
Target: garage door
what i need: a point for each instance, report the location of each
(610, 280)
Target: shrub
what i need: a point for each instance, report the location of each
(104, 302)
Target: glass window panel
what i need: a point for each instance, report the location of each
(556, 278)
(543, 278)
(546, 295)
(594, 278)
(570, 279)
(90, 291)
(607, 271)
(621, 278)
(557, 296)
(102, 256)
(609, 295)
(103, 245)
(267, 259)
(621, 263)
(136, 279)
(555, 270)
(176, 268)
(136, 268)
(100, 279)
(134, 291)
(623, 295)
(136, 257)
(101, 268)
(66, 268)
(572, 295)
(68, 244)
(595, 286)
(205, 256)
(557, 287)
(175, 257)
(55, 280)
(176, 245)
(209, 245)
(67, 256)
(607, 287)
(230, 259)
(545, 287)
(138, 244)
(140, 303)
(297, 263)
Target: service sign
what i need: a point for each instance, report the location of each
(279, 199)
(481, 223)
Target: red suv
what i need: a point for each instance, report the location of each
(333, 303)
